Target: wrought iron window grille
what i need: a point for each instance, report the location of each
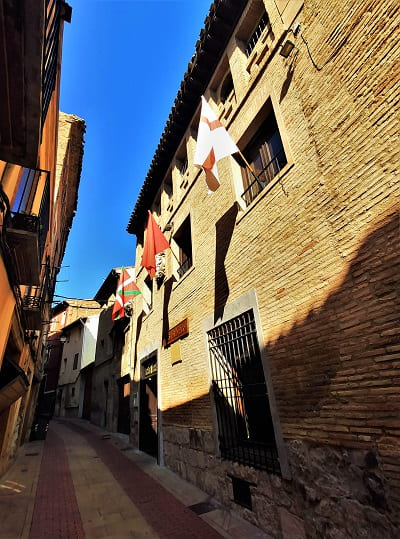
(246, 433)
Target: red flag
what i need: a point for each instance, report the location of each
(154, 243)
(126, 289)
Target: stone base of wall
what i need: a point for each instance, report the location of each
(335, 493)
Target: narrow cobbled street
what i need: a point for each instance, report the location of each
(84, 482)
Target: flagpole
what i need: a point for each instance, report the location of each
(176, 258)
(248, 166)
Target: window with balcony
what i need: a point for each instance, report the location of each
(266, 156)
(245, 428)
(183, 239)
(28, 223)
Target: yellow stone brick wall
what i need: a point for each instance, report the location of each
(320, 246)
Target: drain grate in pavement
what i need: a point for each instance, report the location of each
(201, 508)
(31, 454)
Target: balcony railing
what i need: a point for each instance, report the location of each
(28, 224)
(263, 177)
(50, 53)
(184, 266)
(33, 300)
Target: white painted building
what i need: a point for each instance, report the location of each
(78, 354)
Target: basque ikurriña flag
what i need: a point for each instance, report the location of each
(213, 143)
(154, 243)
(126, 290)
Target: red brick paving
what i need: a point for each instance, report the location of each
(56, 512)
(169, 518)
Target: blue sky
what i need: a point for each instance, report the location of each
(123, 61)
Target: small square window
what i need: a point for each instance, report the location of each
(75, 365)
(241, 492)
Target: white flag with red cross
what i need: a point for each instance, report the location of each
(213, 143)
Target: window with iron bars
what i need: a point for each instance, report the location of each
(266, 157)
(255, 36)
(246, 433)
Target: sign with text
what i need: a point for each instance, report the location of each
(178, 331)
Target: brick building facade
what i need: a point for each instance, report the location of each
(111, 379)
(39, 181)
(273, 348)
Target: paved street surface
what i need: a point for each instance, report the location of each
(85, 482)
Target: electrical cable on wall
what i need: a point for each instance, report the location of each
(334, 53)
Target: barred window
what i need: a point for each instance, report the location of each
(255, 36)
(246, 433)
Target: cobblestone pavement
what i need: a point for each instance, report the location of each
(84, 482)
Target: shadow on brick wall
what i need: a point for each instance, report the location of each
(224, 228)
(335, 374)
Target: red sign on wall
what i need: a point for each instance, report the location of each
(178, 331)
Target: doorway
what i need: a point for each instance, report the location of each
(124, 416)
(148, 416)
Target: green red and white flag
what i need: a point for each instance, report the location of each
(213, 143)
(126, 290)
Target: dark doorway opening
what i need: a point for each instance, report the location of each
(124, 416)
(87, 396)
(148, 426)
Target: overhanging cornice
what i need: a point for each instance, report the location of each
(218, 28)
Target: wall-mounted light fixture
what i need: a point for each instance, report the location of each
(288, 45)
(63, 339)
(286, 48)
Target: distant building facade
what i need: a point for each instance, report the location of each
(266, 362)
(110, 407)
(74, 386)
(63, 315)
(38, 189)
